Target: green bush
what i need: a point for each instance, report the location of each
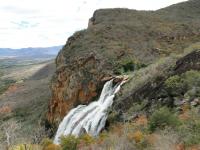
(128, 65)
(87, 139)
(175, 85)
(185, 84)
(69, 142)
(163, 118)
(192, 78)
(189, 131)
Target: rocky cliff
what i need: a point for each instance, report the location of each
(118, 41)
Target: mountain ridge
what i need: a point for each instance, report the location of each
(30, 51)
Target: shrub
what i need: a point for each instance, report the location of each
(69, 142)
(190, 129)
(192, 78)
(87, 139)
(52, 147)
(141, 120)
(175, 85)
(46, 142)
(128, 65)
(187, 84)
(162, 118)
(136, 136)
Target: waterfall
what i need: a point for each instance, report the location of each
(90, 119)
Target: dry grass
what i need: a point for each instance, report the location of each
(166, 140)
(136, 136)
(134, 139)
(24, 72)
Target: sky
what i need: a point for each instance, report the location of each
(45, 23)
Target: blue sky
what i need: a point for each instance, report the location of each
(43, 23)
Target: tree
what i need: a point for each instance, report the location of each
(9, 132)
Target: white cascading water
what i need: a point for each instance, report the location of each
(90, 119)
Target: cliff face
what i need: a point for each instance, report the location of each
(74, 84)
(114, 39)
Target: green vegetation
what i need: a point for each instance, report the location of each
(163, 118)
(190, 129)
(128, 65)
(69, 142)
(185, 85)
(72, 143)
(46, 142)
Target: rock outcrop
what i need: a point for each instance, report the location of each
(153, 90)
(189, 62)
(75, 84)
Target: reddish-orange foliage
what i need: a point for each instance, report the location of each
(12, 89)
(184, 116)
(179, 147)
(137, 136)
(195, 147)
(185, 108)
(141, 120)
(5, 110)
(182, 147)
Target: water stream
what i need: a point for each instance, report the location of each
(89, 119)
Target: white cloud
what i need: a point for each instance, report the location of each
(34, 23)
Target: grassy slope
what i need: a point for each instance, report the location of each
(120, 34)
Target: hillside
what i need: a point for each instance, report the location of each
(118, 41)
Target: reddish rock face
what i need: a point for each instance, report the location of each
(73, 85)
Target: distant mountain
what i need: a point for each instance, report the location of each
(30, 52)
